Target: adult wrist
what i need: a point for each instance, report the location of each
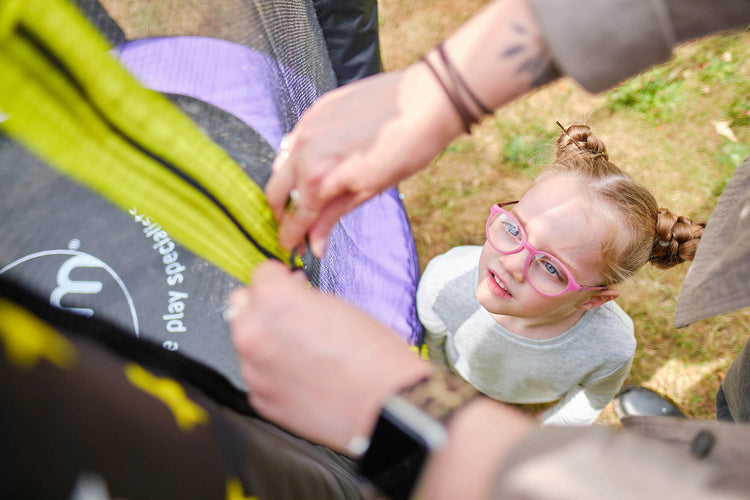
(435, 114)
(412, 425)
(465, 102)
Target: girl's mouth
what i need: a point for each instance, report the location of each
(497, 286)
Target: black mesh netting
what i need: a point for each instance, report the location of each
(244, 71)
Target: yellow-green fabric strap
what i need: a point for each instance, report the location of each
(68, 100)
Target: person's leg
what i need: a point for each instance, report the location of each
(722, 408)
(733, 396)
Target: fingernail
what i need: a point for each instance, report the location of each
(318, 246)
(235, 302)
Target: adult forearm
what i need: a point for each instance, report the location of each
(479, 439)
(500, 53)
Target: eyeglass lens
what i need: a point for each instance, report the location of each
(544, 272)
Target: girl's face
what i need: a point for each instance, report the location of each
(555, 222)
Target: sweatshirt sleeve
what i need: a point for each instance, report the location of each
(600, 43)
(437, 277)
(435, 331)
(583, 404)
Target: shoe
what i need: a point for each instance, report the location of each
(639, 401)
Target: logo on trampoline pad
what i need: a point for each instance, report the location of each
(79, 282)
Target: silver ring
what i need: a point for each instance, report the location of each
(230, 312)
(294, 205)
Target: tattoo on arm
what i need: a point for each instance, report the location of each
(534, 57)
(512, 51)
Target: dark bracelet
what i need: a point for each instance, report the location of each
(460, 83)
(457, 90)
(467, 118)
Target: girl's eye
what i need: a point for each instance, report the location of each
(512, 229)
(551, 270)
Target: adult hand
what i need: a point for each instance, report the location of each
(364, 137)
(314, 364)
(322, 369)
(353, 143)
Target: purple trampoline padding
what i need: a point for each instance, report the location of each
(371, 260)
(227, 75)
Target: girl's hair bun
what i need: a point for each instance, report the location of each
(676, 239)
(579, 140)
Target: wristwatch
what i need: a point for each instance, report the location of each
(412, 424)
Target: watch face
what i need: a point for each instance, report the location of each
(403, 438)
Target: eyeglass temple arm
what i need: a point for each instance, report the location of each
(501, 205)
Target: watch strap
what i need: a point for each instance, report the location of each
(439, 394)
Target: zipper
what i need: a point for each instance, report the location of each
(25, 33)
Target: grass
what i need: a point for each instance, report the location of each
(666, 127)
(655, 95)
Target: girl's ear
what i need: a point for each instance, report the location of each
(599, 298)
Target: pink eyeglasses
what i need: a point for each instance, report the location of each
(544, 272)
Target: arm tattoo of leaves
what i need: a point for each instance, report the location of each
(532, 60)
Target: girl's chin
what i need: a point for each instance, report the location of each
(491, 302)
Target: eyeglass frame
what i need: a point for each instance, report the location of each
(573, 285)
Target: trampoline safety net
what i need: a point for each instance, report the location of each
(244, 72)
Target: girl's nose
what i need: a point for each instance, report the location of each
(514, 264)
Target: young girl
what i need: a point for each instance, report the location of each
(529, 317)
